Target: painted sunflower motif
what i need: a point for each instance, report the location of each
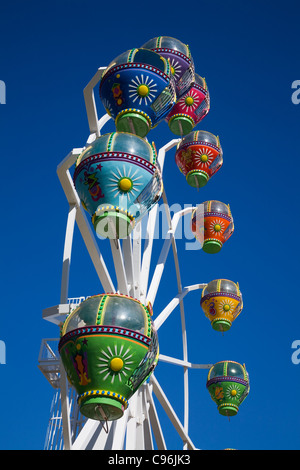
(125, 183)
(114, 363)
(204, 157)
(190, 102)
(176, 68)
(226, 306)
(217, 226)
(142, 89)
(232, 391)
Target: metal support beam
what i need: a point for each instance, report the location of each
(120, 432)
(164, 254)
(65, 408)
(91, 429)
(128, 263)
(119, 267)
(146, 261)
(162, 151)
(147, 253)
(136, 254)
(90, 103)
(161, 318)
(67, 254)
(148, 441)
(179, 362)
(159, 393)
(154, 420)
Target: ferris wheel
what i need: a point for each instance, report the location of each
(103, 368)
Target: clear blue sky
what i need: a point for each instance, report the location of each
(249, 54)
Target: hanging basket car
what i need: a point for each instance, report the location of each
(179, 56)
(118, 180)
(108, 347)
(190, 108)
(222, 302)
(228, 385)
(199, 156)
(137, 90)
(212, 225)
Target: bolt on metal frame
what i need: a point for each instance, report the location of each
(140, 422)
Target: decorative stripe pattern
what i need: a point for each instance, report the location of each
(182, 114)
(172, 51)
(134, 110)
(199, 142)
(217, 214)
(228, 404)
(91, 330)
(101, 393)
(219, 294)
(120, 156)
(135, 65)
(110, 207)
(225, 378)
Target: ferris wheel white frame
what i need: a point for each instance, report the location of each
(140, 422)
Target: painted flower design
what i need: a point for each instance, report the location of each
(115, 363)
(108, 107)
(217, 226)
(226, 307)
(123, 182)
(189, 102)
(232, 391)
(142, 89)
(204, 157)
(176, 68)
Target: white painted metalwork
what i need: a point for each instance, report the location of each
(140, 426)
(48, 361)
